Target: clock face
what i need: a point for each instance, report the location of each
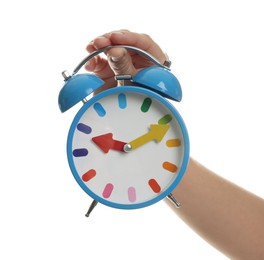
(128, 147)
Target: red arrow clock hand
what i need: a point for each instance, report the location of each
(106, 142)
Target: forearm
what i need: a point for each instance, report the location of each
(228, 217)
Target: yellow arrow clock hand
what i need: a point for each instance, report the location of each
(156, 132)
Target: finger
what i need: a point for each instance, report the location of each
(120, 61)
(100, 67)
(102, 41)
(98, 43)
(141, 41)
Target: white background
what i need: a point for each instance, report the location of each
(217, 52)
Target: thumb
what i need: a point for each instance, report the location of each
(120, 61)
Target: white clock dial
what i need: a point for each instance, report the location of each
(128, 147)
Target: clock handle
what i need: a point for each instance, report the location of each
(131, 48)
(174, 201)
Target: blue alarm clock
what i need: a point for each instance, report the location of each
(127, 146)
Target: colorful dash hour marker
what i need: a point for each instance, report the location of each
(169, 167)
(131, 192)
(154, 185)
(84, 128)
(88, 175)
(80, 152)
(108, 190)
(99, 109)
(122, 102)
(173, 142)
(146, 105)
(165, 119)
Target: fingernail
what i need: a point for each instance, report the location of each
(114, 59)
(118, 33)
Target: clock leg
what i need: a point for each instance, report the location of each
(173, 200)
(92, 206)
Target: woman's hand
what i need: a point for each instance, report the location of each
(119, 60)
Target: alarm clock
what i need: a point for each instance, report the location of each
(127, 146)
